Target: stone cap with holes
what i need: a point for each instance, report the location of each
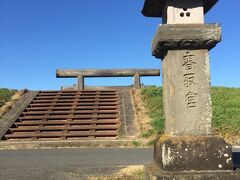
(154, 8)
(185, 36)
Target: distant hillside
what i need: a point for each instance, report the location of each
(225, 104)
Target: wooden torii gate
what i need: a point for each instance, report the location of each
(80, 74)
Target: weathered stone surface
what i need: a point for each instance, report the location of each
(186, 93)
(11, 116)
(152, 172)
(73, 73)
(82, 73)
(127, 114)
(185, 36)
(80, 83)
(186, 153)
(154, 8)
(136, 81)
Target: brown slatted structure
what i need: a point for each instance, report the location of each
(68, 115)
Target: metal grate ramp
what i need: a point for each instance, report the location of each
(68, 115)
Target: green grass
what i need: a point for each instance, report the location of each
(5, 95)
(226, 110)
(225, 104)
(152, 98)
(136, 143)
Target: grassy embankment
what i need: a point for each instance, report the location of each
(226, 111)
(6, 95)
(7, 98)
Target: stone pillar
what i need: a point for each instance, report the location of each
(80, 82)
(186, 93)
(188, 149)
(136, 81)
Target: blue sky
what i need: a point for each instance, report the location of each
(37, 37)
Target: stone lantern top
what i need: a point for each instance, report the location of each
(154, 8)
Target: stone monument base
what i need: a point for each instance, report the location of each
(198, 153)
(152, 172)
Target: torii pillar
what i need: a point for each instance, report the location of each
(188, 149)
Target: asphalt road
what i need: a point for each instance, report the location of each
(68, 163)
(73, 163)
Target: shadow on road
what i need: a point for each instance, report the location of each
(236, 160)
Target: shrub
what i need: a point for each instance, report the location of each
(5, 95)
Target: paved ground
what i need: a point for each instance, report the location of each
(127, 113)
(67, 163)
(72, 163)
